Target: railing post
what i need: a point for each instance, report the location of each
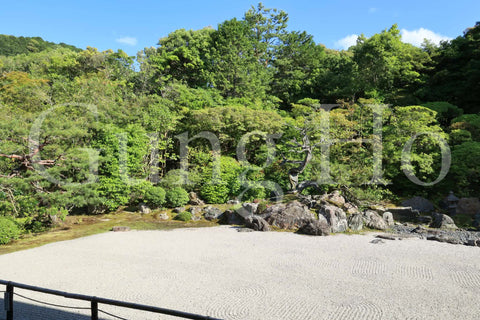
(94, 307)
(9, 301)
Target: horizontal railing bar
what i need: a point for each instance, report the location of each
(117, 303)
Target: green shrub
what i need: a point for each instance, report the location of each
(9, 230)
(155, 196)
(184, 216)
(177, 197)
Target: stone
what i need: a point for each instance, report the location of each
(120, 229)
(250, 208)
(378, 208)
(233, 202)
(315, 228)
(232, 217)
(336, 199)
(144, 209)
(425, 219)
(162, 216)
(350, 208)
(388, 217)
(257, 223)
(377, 241)
(336, 218)
(179, 209)
(443, 238)
(211, 213)
(404, 214)
(195, 210)
(468, 206)
(373, 220)
(442, 221)
(355, 222)
(418, 203)
(289, 217)
(196, 218)
(195, 200)
(245, 230)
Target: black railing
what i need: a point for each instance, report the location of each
(94, 302)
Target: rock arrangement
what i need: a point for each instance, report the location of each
(452, 236)
(321, 215)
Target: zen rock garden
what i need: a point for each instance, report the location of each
(322, 215)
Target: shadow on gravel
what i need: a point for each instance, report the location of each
(27, 311)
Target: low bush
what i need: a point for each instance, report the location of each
(184, 216)
(176, 197)
(155, 196)
(9, 230)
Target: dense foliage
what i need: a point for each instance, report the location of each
(89, 132)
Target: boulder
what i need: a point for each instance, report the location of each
(290, 216)
(336, 199)
(232, 217)
(468, 206)
(257, 223)
(144, 209)
(373, 220)
(425, 219)
(120, 229)
(404, 214)
(315, 228)
(442, 221)
(195, 200)
(179, 209)
(355, 222)
(419, 203)
(211, 213)
(336, 218)
(233, 202)
(350, 208)
(388, 217)
(162, 216)
(195, 210)
(250, 207)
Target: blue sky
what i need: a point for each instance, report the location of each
(133, 25)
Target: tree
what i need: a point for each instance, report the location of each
(388, 68)
(297, 60)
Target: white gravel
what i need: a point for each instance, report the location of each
(238, 275)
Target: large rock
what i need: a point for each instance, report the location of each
(419, 203)
(388, 217)
(232, 217)
(350, 208)
(195, 210)
(195, 200)
(144, 209)
(404, 214)
(290, 216)
(374, 221)
(211, 213)
(257, 223)
(336, 218)
(162, 216)
(315, 228)
(442, 221)
(468, 206)
(179, 209)
(355, 222)
(336, 199)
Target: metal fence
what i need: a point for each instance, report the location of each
(94, 302)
